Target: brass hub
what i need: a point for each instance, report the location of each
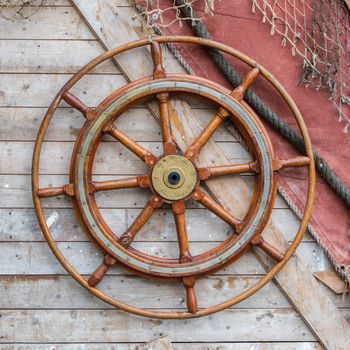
(174, 177)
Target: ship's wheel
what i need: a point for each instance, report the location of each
(173, 178)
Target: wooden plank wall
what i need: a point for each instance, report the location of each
(42, 307)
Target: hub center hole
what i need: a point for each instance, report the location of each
(174, 178)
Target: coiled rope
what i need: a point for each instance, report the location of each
(272, 118)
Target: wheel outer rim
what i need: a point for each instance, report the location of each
(270, 274)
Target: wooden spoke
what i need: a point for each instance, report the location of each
(157, 57)
(191, 298)
(239, 92)
(88, 112)
(179, 215)
(163, 101)
(268, 248)
(168, 141)
(206, 173)
(100, 272)
(137, 181)
(127, 237)
(208, 202)
(297, 162)
(56, 191)
(144, 154)
(197, 145)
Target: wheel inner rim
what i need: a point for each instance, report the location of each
(128, 257)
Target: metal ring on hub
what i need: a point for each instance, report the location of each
(174, 177)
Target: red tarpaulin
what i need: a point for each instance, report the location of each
(234, 24)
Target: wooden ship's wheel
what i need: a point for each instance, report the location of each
(173, 178)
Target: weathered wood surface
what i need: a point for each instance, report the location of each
(332, 281)
(18, 224)
(13, 187)
(179, 346)
(98, 15)
(32, 284)
(138, 123)
(110, 325)
(59, 23)
(28, 257)
(162, 343)
(39, 89)
(57, 157)
(21, 56)
(23, 292)
(30, 292)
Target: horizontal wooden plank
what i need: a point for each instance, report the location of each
(35, 258)
(38, 90)
(62, 292)
(138, 123)
(57, 3)
(249, 346)
(51, 56)
(182, 346)
(59, 292)
(59, 23)
(38, 326)
(21, 225)
(69, 26)
(15, 192)
(111, 157)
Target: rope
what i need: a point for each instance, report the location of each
(322, 167)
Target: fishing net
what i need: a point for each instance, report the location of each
(151, 11)
(13, 9)
(318, 31)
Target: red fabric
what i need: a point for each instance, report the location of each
(234, 24)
